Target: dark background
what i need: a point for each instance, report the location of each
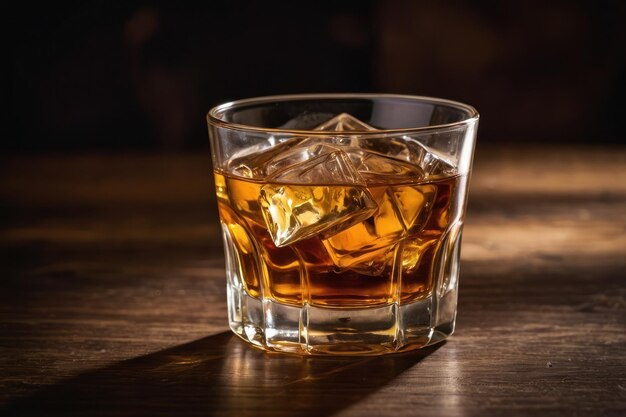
(141, 75)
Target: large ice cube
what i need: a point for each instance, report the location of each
(310, 197)
(365, 247)
(375, 166)
(307, 149)
(252, 162)
(407, 149)
(344, 122)
(320, 164)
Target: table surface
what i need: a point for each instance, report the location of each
(112, 298)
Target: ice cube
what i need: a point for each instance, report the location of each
(321, 165)
(380, 154)
(402, 210)
(431, 161)
(344, 122)
(415, 203)
(310, 197)
(373, 165)
(371, 263)
(390, 146)
(252, 162)
(307, 149)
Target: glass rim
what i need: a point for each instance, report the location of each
(214, 120)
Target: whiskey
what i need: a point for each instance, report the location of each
(342, 244)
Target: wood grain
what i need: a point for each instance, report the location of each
(112, 299)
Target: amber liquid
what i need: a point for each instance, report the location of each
(389, 257)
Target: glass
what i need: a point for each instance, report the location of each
(342, 217)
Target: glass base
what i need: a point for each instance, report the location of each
(316, 330)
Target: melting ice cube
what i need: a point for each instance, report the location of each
(253, 162)
(373, 166)
(402, 210)
(344, 122)
(313, 196)
(433, 163)
(412, 151)
(307, 149)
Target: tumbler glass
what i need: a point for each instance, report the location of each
(342, 217)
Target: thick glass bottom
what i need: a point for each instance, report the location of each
(314, 330)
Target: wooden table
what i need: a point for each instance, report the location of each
(112, 298)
